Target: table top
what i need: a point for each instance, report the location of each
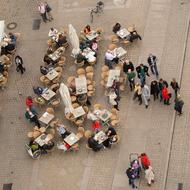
(52, 74)
(46, 118)
(71, 139)
(114, 74)
(57, 54)
(77, 112)
(48, 94)
(100, 137)
(123, 33)
(104, 114)
(42, 139)
(81, 85)
(89, 54)
(92, 35)
(120, 52)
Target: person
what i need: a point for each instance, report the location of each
(131, 78)
(138, 93)
(142, 71)
(137, 168)
(96, 125)
(152, 62)
(145, 94)
(166, 95)
(13, 37)
(42, 10)
(2, 67)
(53, 33)
(145, 161)
(94, 45)
(178, 105)
(87, 29)
(62, 39)
(48, 11)
(127, 65)
(134, 35)
(92, 143)
(19, 64)
(154, 89)
(44, 70)
(131, 177)
(38, 90)
(174, 86)
(110, 58)
(63, 132)
(48, 146)
(161, 86)
(31, 115)
(113, 99)
(29, 101)
(149, 175)
(34, 146)
(116, 27)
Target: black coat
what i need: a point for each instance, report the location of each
(174, 85)
(18, 60)
(138, 69)
(154, 87)
(149, 60)
(126, 67)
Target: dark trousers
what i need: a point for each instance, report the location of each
(44, 17)
(155, 95)
(166, 101)
(21, 68)
(139, 98)
(132, 84)
(132, 182)
(154, 69)
(35, 120)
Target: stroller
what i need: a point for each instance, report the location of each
(34, 154)
(134, 163)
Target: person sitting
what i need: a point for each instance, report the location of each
(34, 146)
(2, 67)
(96, 125)
(31, 115)
(44, 70)
(87, 29)
(62, 39)
(10, 48)
(116, 27)
(110, 58)
(29, 101)
(48, 146)
(13, 37)
(134, 35)
(53, 33)
(80, 58)
(63, 131)
(94, 45)
(38, 90)
(92, 143)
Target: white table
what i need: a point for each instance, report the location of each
(92, 35)
(114, 74)
(77, 112)
(46, 118)
(120, 52)
(100, 137)
(52, 74)
(42, 139)
(48, 94)
(123, 33)
(81, 85)
(104, 115)
(71, 139)
(89, 55)
(57, 54)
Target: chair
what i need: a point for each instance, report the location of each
(127, 42)
(114, 123)
(50, 136)
(114, 39)
(90, 87)
(58, 69)
(55, 87)
(90, 75)
(36, 134)
(97, 106)
(42, 129)
(118, 140)
(105, 68)
(104, 74)
(88, 82)
(45, 80)
(79, 64)
(79, 135)
(81, 130)
(79, 122)
(86, 109)
(30, 134)
(113, 117)
(103, 83)
(87, 134)
(75, 105)
(39, 101)
(54, 123)
(73, 99)
(89, 69)
(81, 71)
(92, 62)
(65, 45)
(90, 93)
(50, 111)
(52, 131)
(70, 79)
(114, 111)
(56, 80)
(55, 103)
(111, 47)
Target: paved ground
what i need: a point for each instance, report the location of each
(163, 25)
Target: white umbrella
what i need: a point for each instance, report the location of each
(74, 39)
(2, 26)
(65, 95)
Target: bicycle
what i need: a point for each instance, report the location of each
(97, 10)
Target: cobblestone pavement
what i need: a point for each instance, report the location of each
(141, 130)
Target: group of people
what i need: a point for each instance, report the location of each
(136, 165)
(158, 88)
(45, 11)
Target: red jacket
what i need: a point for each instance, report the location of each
(165, 94)
(29, 102)
(145, 161)
(96, 125)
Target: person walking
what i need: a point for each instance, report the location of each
(131, 177)
(152, 61)
(42, 10)
(29, 101)
(174, 86)
(145, 161)
(178, 105)
(154, 89)
(19, 64)
(142, 72)
(166, 95)
(161, 86)
(131, 78)
(138, 93)
(145, 94)
(149, 175)
(48, 11)
(127, 65)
